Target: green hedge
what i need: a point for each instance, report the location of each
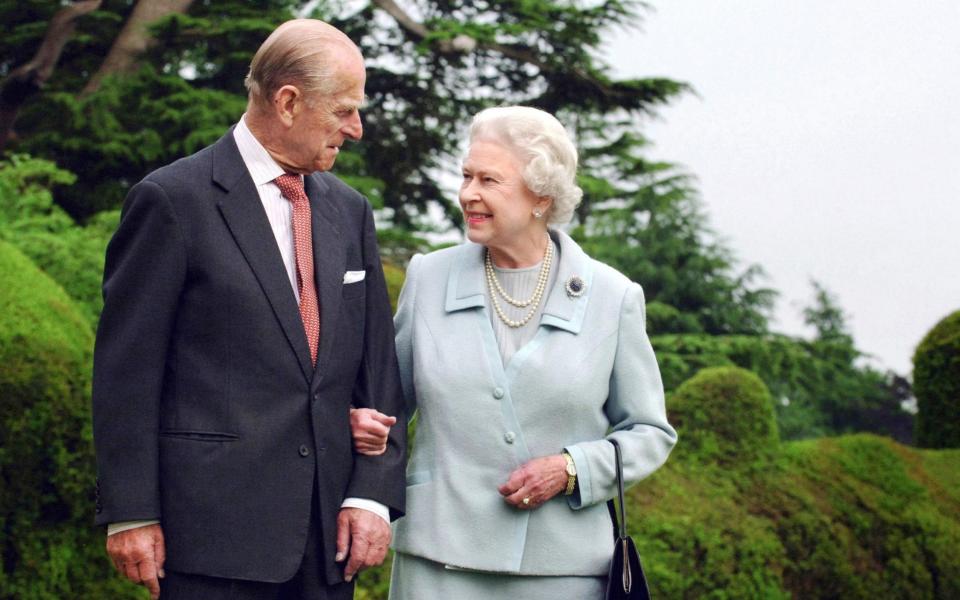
(724, 415)
(936, 383)
(850, 517)
(29, 220)
(857, 516)
(49, 546)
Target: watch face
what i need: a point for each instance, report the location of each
(571, 470)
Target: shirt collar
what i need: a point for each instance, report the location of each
(263, 169)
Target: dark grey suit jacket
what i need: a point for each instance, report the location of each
(207, 412)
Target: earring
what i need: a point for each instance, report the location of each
(537, 213)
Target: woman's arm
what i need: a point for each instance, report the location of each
(635, 409)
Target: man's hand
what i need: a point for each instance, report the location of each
(370, 429)
(138, 554)
(363, 536)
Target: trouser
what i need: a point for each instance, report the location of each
(309, 583)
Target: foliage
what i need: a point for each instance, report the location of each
(814, 395)
(851, 517)
(104, 137)
(29, 219)
(826, 316)
(134, 124)
(820, 386)
(936, 381)
(862, 399)
(48, 546)
(724, 415)
(394, 276)
(423, 90)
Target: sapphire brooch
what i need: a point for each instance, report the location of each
(575, 287)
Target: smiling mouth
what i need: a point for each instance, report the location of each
(475, 217)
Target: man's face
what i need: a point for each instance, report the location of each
(323, 124)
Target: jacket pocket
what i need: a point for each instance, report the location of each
(354, 290)
(199, 436)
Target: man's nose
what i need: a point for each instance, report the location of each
(353, 128)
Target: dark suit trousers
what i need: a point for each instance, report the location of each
(308, 583)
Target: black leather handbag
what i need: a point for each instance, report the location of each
(626, 580)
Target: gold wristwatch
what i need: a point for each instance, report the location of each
(571, 473)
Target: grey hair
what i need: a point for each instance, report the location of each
(298, 53)
(548, 154)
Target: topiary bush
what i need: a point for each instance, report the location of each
(936, 384)
(30, 220)
(856, 516)
(724, 415)
(48, 544)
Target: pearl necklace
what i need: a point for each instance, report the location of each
(493, 284)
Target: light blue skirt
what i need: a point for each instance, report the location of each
(416, 578)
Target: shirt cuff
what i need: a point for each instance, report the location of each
(113, 528)
(372, 505)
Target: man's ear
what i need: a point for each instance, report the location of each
(287, 103)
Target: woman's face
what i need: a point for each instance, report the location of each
(497, 206)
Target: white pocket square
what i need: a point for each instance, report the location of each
(354, 276)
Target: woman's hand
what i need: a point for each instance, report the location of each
(370, 429)
(535, 482)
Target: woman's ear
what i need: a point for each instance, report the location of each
(543, 206)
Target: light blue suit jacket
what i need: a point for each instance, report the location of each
(588, 375)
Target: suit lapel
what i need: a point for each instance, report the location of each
(562, 310)
(243, 212)
(329, 261)
(466, 279)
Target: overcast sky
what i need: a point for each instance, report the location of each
(826, 140)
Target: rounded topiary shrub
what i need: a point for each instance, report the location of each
(48, 544)
(936, 384)
(724, 415)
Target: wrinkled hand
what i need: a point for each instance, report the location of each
(370, 429)
(364, 537)
(537, 480)
(138, 554)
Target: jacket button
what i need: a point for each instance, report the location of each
(316, 397)
(509, 437)
(498, 393)
(304, 451)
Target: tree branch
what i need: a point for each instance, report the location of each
(134, 39)
(27, 79)
(464, 44)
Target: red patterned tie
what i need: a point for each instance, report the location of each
(291, 186)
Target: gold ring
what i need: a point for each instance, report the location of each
(526, 501)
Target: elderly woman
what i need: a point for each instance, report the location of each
(523, 357)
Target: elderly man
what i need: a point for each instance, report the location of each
(245, 312)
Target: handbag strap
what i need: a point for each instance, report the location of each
(619, 524)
